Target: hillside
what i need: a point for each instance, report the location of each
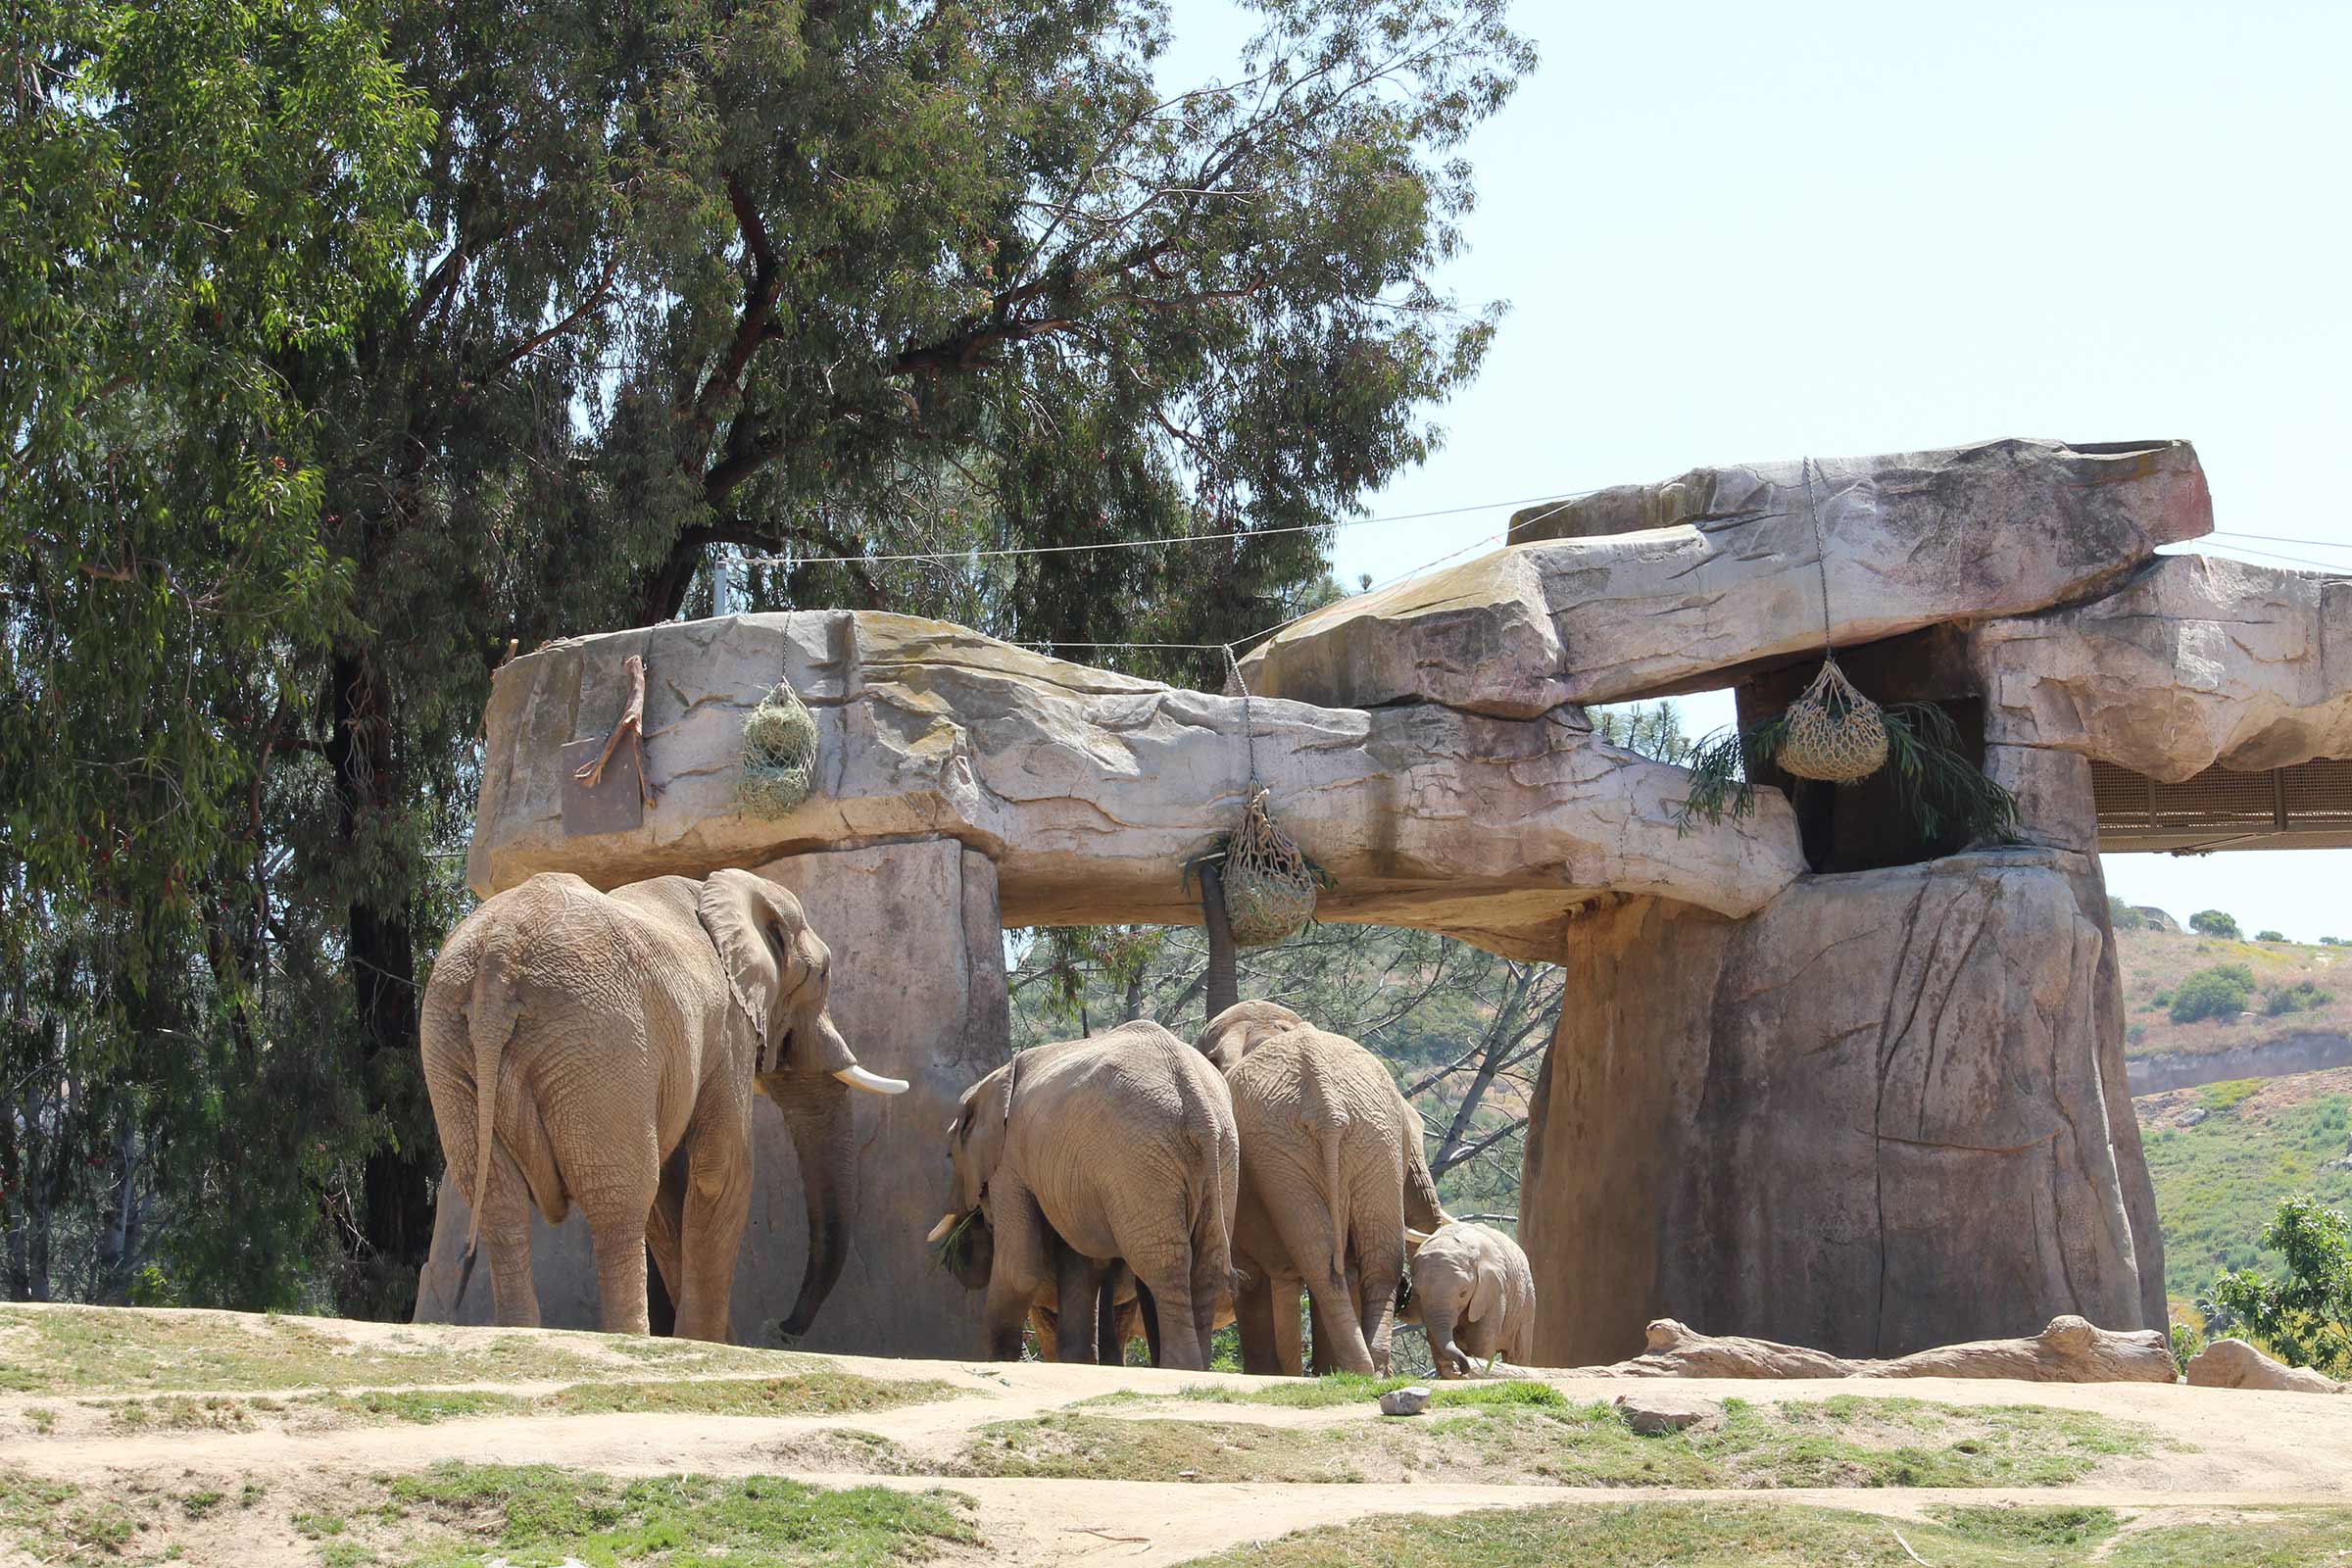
(2296, 1012)
(2223, 1154)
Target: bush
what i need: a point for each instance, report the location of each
(2331, 941)
(2305, 1319)
(2123, 916)
(2301, 997)
(2221, 991)
(2213, 923)
(2270, 936)
(2161, 1000)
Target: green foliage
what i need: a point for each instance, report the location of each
(2301, 997)
(2270, 936)
(2221, 991)
(1939, 787)
(2306, 1317)
(2186, 1340)
(342, 344)
(2331, 941)
(2123, 917)
(2219, 1182)
(2214, 924)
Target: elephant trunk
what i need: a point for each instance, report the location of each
(816, 1111)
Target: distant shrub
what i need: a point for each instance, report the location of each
(2136, 1034)
(2331, 941)
(2306, 1319)
(2188, 1340)
(2301, 997)
(2123, 917)
(2220, 991)
(2161, 1000)
(2214, 924)
(2270, 936)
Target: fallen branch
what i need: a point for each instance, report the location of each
(632, 726)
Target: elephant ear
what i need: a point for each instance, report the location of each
(1241, 1028)
(1486, 1291)
(770, 959)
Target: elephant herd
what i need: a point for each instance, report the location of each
(602, 1049)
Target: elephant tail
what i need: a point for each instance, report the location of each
(490, 1017)
(1336, 1193)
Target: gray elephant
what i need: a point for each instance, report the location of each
(602, 1049)
(1119, 1147)
(1476, 1295)
(1332, 1171)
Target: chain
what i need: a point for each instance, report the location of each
(1821, 555)
(1248, 729)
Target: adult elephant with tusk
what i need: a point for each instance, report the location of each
(602, 1049)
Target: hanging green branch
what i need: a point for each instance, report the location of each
(1934, 778)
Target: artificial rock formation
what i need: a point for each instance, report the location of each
(2195, 661)
(1873, 1111)
(2067, 1350)
(1723, 572)
(1887, 1112)
(2236, 1364)
(1089, 790)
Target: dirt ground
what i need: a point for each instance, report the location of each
(2225, 1449)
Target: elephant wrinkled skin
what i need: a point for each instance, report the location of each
(602, 1048)
(1332, 1170)
(1476, 1295)
(1119, 1147)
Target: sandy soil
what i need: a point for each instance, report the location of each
(2250, 1450)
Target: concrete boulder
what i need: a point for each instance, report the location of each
(1720, 571)
(2236, 1364)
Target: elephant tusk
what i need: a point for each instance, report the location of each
(1414, 1238)
(947, 1223)
(873, 1083)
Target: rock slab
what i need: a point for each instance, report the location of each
(2236, 1364)
(1722, 571)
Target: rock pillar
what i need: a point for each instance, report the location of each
(1886, 1112)
(918, 992)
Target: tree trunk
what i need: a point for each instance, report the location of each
(396, 1216)
(1224, 979)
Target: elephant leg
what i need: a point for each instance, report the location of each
(1318, 1342)
(1078, 1289)
(717, 1204)
(505, 1214)
(1289, 1354)
(664, 1223)
(616, 1234)
(1021, 1267)
(1306, 1236)
(1170, 1281)
(1044, 1330)
(1110, 1349)
(1375, 1279)
(1253, 1316)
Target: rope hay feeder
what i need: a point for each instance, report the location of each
(779, 754)
(1833, 732)
(1270, 885)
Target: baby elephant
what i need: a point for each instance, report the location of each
(1474, 1292)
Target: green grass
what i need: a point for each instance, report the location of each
(56, 1520)
(2220, 1182)
(806, 1393)
(1347, 1388)
(86, 1349)
(540, 1514)
(1746, 1534)
(1843, 1442)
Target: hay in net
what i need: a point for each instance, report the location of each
(1270, 885)
(779, 754)
(1833, 732)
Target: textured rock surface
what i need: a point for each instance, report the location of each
(1886, 1114)
(2196, 661)
(1652, 1413)
(2067, 1350)
(1091, 789)
(1724, 572)
(2236, 1364)
(918, 988)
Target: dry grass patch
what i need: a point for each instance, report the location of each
(1844, 1442)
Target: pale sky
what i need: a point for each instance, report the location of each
(1740, 231)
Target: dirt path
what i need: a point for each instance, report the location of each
(2228, 1449)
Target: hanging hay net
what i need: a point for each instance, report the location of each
(779, 754)
(1833, 732)
(1270, 885)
